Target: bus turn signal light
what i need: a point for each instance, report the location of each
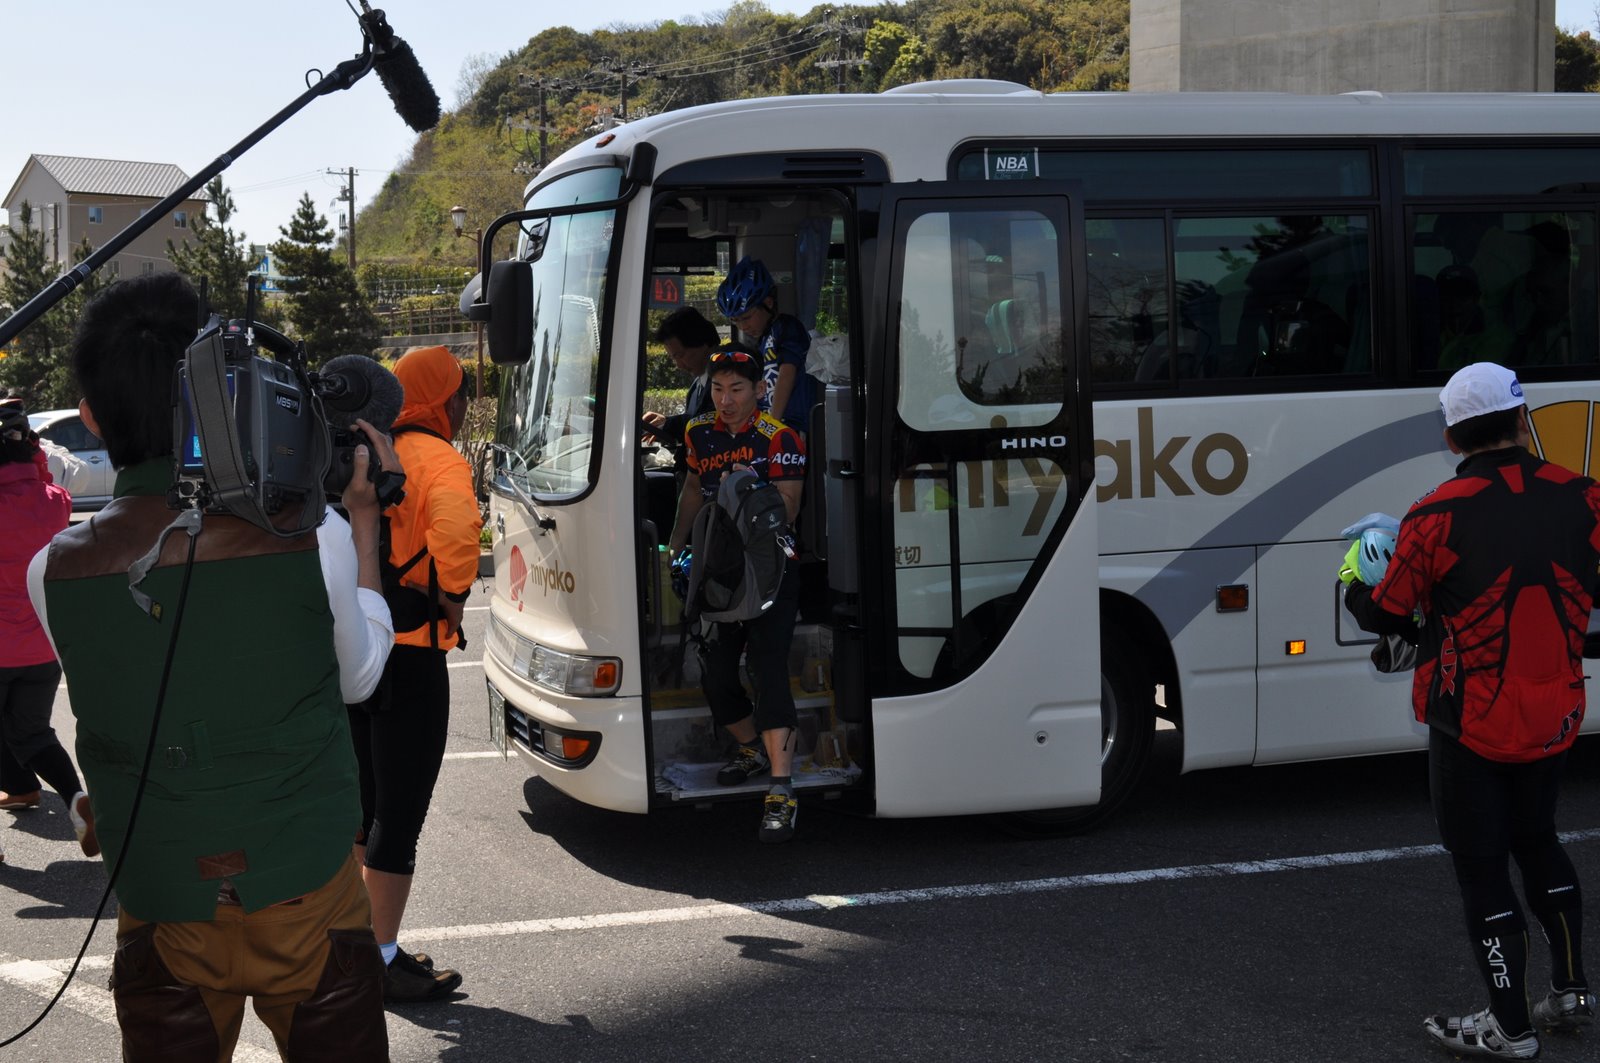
(1234, 598)
(1294, 647)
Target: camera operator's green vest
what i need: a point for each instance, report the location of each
(253, 778)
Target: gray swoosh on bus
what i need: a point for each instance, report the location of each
(1177, 596)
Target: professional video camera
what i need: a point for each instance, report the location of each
(255, 435)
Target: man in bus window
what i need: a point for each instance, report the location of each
(689, 339)
(1501, 561)
(739, 435)
(747, 299)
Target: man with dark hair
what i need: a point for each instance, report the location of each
(1501, 560)
(739, 435)
(689, 339)
(238, 880)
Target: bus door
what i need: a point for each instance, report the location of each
(985, 667)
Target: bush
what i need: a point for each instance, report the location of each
(665, 401)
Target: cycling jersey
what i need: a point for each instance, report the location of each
(1503, 560)
(770, 448)
(786, 342)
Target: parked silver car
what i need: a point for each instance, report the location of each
(88, 479)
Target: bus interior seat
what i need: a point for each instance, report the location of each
(1013, 328)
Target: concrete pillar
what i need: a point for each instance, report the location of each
(1328, 46)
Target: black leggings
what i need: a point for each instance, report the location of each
(399, 749)
(764, 642)
(30, 746)
(1488, 810)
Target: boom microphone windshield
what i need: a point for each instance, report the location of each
(401, 74)
(355, 386)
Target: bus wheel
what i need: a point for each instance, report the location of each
(1127, 732)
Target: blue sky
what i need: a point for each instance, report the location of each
(181, 81)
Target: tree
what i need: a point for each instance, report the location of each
(35, 363)
(218, 255)
(327, 311)
(1577, 62)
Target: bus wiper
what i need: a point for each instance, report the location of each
(523, 498)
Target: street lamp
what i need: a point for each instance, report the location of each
(458, 218)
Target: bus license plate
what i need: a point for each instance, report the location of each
(497, 721)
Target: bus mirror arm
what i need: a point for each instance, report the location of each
(546, 524)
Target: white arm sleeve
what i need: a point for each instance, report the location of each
(362, 629)
(36, 591)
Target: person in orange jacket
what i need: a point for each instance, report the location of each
(400, 732)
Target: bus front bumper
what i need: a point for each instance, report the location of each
(591, 749)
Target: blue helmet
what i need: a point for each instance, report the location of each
(747, 285)
(1377, 548)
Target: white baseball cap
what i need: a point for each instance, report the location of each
(1477, 389)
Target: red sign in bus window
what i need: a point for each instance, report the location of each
(666, 291)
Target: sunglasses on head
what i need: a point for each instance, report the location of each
(732, 356)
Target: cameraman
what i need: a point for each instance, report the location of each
(237, 880)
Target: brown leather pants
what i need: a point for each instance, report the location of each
(310, 967)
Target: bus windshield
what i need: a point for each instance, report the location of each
(550, 408)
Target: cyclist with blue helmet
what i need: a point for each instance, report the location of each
(747, 299)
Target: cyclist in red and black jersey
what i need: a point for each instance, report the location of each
(740, 436)
(1502, 561)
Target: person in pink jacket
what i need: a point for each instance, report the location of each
(35, 509)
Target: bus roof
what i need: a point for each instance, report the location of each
(916, 127)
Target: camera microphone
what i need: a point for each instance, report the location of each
(358, 387)
(401, 74)
(352, 387)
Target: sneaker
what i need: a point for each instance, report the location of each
(405, 981)
(82, 815)
(777, 820)
(13, 802)
(747, 762)
(1566, 1009)
(1480, 1034)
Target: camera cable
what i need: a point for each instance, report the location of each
(189, 522)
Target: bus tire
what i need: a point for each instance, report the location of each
(1128, 727)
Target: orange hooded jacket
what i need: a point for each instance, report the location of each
(440, 513)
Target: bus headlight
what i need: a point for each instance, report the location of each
(564, 673)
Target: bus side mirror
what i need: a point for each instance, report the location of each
(509, 313)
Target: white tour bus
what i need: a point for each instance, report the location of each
(1103, 375)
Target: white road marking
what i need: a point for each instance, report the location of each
(483, 755)
(466, 664)
(825, 903)
(43, 978)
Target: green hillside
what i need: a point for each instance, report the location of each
(479, 156)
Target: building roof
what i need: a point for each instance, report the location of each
(109, 177)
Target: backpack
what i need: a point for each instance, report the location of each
(740, 542)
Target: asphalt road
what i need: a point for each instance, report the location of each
(1288, 913)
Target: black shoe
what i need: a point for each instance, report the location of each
(747, 763)
(405, 981)
(421, 959)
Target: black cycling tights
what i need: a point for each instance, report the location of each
(399, 749)
(1487, 811)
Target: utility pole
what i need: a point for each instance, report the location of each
(621, 69)
(543, 127)
(840, 61)
(348, 196)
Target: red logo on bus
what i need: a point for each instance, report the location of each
(519, 576)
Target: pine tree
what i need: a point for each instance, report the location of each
(35, 362)
(327, 310)
(218, 255)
